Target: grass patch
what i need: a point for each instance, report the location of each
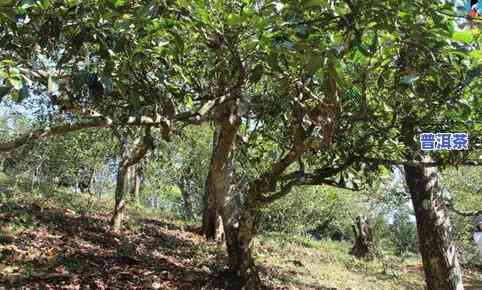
(302, 263)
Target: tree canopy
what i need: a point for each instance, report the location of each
(297, 93)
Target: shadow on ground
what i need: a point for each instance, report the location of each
(61, 250)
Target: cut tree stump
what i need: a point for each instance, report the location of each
(364, 246)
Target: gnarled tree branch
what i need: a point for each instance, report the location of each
(51, 131)
(299, 178)
(98, 122)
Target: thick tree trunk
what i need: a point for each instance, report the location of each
(211, 219)
(239, 229)
(130, 178)
(209, 210)
(92, 182)
(239, 244)
(136, 181)
(212, 223)
(121, 186)
(439, 255)
(364, 246)
(442, 270)
(137, 186)
(120, 201)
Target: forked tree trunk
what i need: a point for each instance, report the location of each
(239, 229)
(120, 200)
(439, 255)
(125, 162)
(212, 224)
(121, 186)
(364, 246)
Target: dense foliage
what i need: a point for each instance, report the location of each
(230, 106)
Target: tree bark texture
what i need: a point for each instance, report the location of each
(438, 251)
(211, 219)
(239, 244)
(439, 255)
(238, 223)
(121, 185)
(125, 162)
(135, 181)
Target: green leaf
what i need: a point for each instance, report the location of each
(234, 19)
(203, 14)
(247, 11)
(25, 4)
(262, 23)
(314, 63)
(16, 83)
(463, 36)
(118, 3)
(44, 4)
(454, 52)
(314, 3)
(162, 43)
(189, 103)
(72, 3)
(477, 54)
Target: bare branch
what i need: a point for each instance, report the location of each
(51, 131)
(421, 164)
(98, 122)
(299, 178)
(284, 191)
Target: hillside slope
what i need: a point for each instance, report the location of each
(63, 242)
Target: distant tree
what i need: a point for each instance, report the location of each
(463, 189)
(403, 232)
